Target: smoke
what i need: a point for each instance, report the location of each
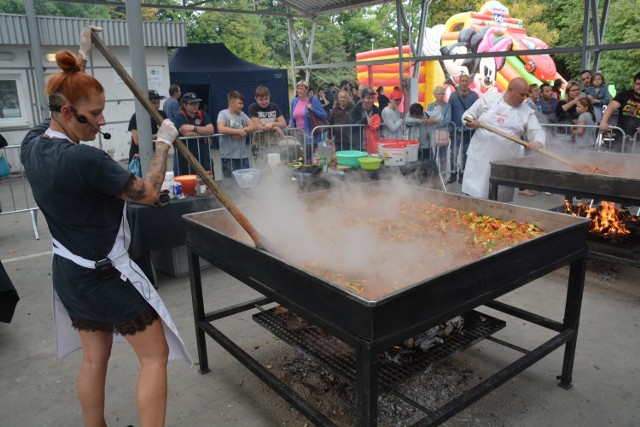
(346, 233)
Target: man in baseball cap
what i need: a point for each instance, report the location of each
(190, 98)
(396, 95)
(367, 91)
(155, 95)
(155, 98)
(191, 121)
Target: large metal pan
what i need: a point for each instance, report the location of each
(621, 184)
(214, 236)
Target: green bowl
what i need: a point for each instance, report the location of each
(370, 163)
(350, 157)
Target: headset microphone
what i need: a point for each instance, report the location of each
(82, 119)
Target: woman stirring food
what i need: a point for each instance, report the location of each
(99, 292)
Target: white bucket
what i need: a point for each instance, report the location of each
(412, 151)
(393, 142)
(395, 156)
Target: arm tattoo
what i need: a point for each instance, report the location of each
(135, 188)
(134, 194)
(155, 174)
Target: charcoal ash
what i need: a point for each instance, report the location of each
(431, 388)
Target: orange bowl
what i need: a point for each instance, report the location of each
(188, 183)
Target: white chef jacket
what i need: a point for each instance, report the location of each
(486, 146)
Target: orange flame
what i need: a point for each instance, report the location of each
(605, 219)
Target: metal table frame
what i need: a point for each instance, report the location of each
(366, 350)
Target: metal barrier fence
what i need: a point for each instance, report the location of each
(560, 136)
(344, 137)
(200, 148)
(353, 137)
(450, 157)
(447, 156)
(289, 146)
(634, 144)
(17, 190)
(259, 145)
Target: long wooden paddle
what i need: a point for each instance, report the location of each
(141, 96)
(576, 166)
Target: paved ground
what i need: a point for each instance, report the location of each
(40, 391)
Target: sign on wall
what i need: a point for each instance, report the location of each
(154, 77)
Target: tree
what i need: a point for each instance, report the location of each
(534, 16)
(617, 66)
(242, 34)
(441, 11)
(620, 66)
(48, 8)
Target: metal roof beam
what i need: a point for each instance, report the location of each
(550, 51)
(195, 7)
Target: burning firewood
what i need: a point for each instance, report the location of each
(606, 220)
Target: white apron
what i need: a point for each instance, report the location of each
(486, 147)
(68, 339)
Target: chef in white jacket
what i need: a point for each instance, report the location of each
(508, 112)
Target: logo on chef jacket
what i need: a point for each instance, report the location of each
(501, 120)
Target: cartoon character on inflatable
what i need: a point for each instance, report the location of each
(492, 29)
(484, 80)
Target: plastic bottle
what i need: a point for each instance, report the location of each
(167, 184)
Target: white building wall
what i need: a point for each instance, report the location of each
(15, 64)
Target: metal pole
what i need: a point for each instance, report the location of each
(420, 36)
(139, 74)
(586, 54)
(292, 55)
(400, 57)
(603, 24)
(36, 54)
(311, 42)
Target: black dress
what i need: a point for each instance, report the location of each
(76, 187)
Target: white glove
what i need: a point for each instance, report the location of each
(85, 41)
(167, 132)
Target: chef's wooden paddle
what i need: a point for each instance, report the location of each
(141, 96)
(576, 166)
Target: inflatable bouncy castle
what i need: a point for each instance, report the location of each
(491, 29)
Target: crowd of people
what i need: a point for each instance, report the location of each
(571, 114)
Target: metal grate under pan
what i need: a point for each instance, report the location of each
(339, 357)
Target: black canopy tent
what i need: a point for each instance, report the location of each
(212, 71)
